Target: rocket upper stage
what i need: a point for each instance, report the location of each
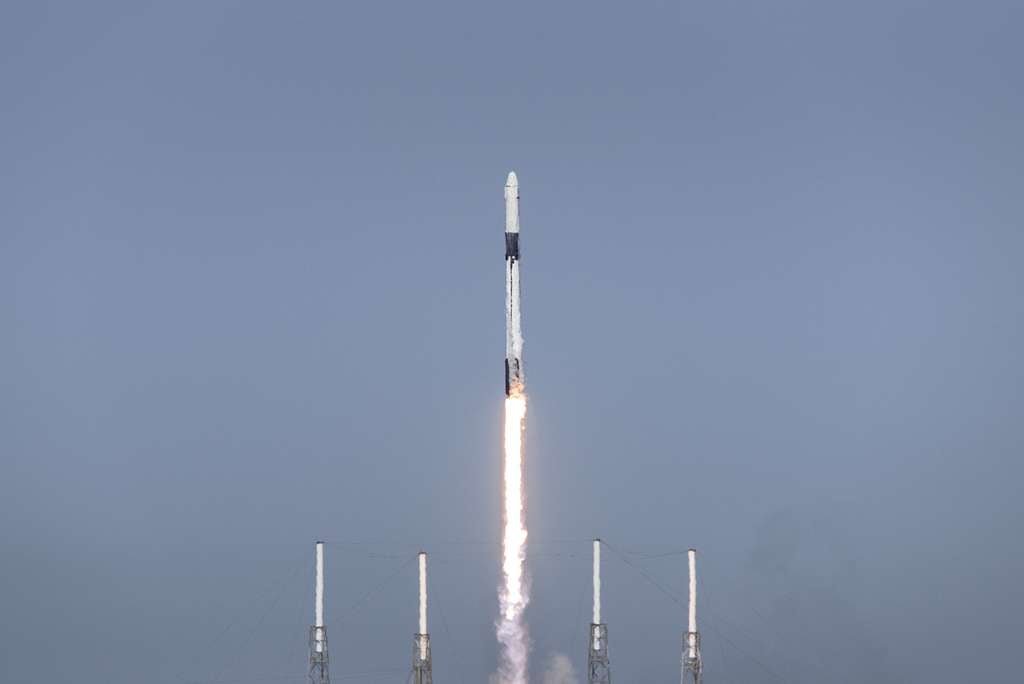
(512, 203)
(514, 380)
(512, 216)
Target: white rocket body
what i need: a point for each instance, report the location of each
(514, 379)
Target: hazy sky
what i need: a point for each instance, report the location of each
(251, 293)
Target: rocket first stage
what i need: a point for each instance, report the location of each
(514, 379)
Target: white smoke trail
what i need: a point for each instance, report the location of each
(513, 596)
(559, 671)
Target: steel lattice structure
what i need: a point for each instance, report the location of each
(318, 660)
(599, 669)
(692, 665)
(421, 660)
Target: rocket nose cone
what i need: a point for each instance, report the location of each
(512, 180)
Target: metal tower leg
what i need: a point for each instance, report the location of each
(318, 660)
(421, 660)
(598, 665)
(692, 665)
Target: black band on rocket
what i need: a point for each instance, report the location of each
(512, 245)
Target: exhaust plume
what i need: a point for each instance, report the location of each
(513, 596)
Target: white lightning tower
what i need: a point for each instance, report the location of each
(692, 664)
(318, 661)
(598, 665)
(421, 658)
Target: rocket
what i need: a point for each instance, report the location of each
(514, 379)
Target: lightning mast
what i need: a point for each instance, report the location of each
(421, 658)
(318, 661)
(692, 665)
(598, 666)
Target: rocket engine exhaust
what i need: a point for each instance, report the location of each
(513, 595)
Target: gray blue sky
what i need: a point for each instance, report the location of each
(251, 296)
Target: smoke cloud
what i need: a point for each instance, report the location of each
(559, 670)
